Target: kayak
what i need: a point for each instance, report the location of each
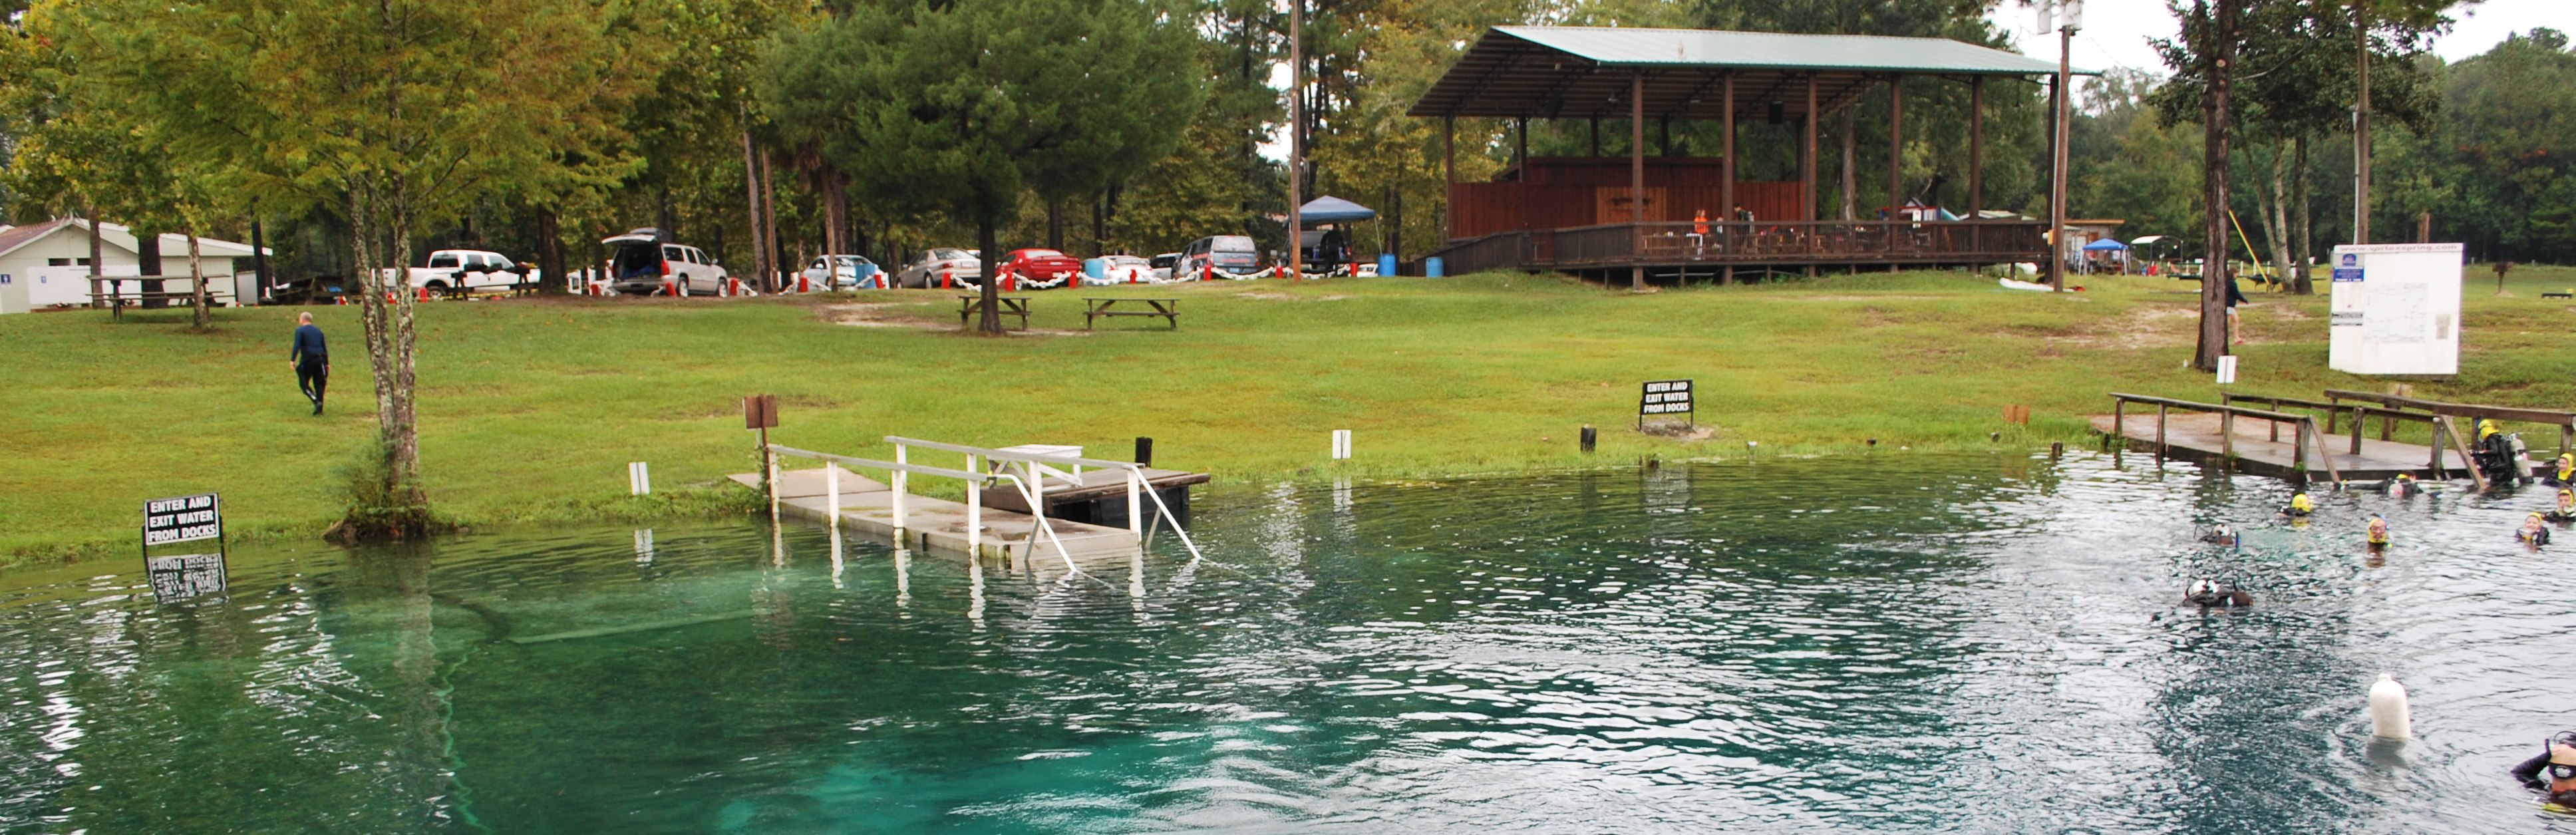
(2010, 284)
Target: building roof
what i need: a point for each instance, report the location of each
(172, 245)
(1586, 71)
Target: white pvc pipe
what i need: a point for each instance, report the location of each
(832, 486)
(901, 484)
(2389, 717)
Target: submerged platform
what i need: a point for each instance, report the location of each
(931, 524)
(2195, 436)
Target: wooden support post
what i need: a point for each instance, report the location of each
(2356, 429)
(2436, 464)
(2387, 426)
(1976, 151)
(1895, 148)
(2299, 455)
(2119, 421)
(1729, 238)
(1807, 161)
(769, 464)
(2276, 430)
(1596, 136)
(1448, 177)
(1637, 171)
(1520, 148)
(2476, 475)
(2160, 430)
(2227, 437)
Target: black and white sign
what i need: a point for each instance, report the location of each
(1665, 397)
(182, 519)
(184, 576)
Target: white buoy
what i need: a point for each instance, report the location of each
(2389, 718)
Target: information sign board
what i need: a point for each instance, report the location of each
(2395, 309)
(176, 520)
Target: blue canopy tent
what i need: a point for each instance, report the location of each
(2106, 249)
(1330, 209)
(1333, 210)
(2104, 245)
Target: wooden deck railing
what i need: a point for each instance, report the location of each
(1766, 242)
(2227, 414)
(2564, 421)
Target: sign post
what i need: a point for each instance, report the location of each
(2395, 309)
(1665, 398)
(760, 411)
(176, 520)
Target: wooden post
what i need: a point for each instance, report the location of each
(769, 463)
(1596, 136)
(1726, 180)
(1807, 159)
(1520, 147)
(2160, 430)
(2299, 456)
(2227, 437)
(1976, 148)
(1895, 146)
(2356, 429)
(2119, 420)
(1637, 175)
(1448, 177)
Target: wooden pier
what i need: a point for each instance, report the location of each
(2280, 443)
(2265, 447)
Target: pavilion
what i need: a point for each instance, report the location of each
(1578, 214)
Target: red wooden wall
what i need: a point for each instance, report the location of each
(1562, 192)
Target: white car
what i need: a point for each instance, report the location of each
(643, 262)
(841, 272)
(1124, 269)
(467, 269)
(1163, 265)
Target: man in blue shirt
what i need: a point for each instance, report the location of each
(311, 359)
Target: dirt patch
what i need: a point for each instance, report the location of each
(2149, 326)
(1289, 297)
(872, 315)
(1880, 297)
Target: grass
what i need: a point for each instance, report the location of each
(530, 409)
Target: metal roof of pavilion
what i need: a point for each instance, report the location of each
(1585, 71)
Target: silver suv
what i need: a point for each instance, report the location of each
(644, 262)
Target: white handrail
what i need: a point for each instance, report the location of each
(1008, 455)
(974, 499)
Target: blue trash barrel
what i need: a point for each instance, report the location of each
(1095, 268)
(1431, 268)
(867, 277)
(1386, 264)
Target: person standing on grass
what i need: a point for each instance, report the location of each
(312, 360)
(2235, 296)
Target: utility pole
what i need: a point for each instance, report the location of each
(2070, 16)
(1296, 140)
(2361, 127)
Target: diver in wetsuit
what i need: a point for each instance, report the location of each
(2209, 595)
(2563, 475)
(2558, 758)
(2220, 534)
(2404, 485)
(2300, 506)
(2494, 455)
(2532, 532)
(2566, 511)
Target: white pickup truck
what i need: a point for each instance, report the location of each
(468, 269)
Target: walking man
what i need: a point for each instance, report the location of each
(311, 359)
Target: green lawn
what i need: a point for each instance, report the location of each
(530, 409)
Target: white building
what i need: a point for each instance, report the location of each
(50, 260)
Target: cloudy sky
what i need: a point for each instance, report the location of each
(2115, 32)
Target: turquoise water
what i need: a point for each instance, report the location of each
(1917, 644)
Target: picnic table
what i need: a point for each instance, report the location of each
(1096, 307)
(969, 307)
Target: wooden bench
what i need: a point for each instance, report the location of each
(970, 307)
(1094, 308)
(2567, 294)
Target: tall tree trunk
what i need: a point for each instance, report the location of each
(836, 214)
(1055, 225)
(400, 425)
(2304, 240)
(986, 239)
(97, 265)
(2276, 221)
(1851, 173)
(770, 249)
(197, 297)
(2218, 49)
(751, 211)
(550, 254)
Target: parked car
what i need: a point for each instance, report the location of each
(1124, 269)
(1219, 256)
(1163, 266)
(467, 269)
(841, 272)
(962, 265)
(1038, 269)
(641, 261)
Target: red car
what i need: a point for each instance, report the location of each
(1038, 269)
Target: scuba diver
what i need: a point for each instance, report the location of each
(2566, 511)
(2378, 532)
(2497, 455)
(2300, 506)
(2532, 532)
(2404, 486)
(2220, 534)
(2558, 758)
(2563, 475)
(2209, 595)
